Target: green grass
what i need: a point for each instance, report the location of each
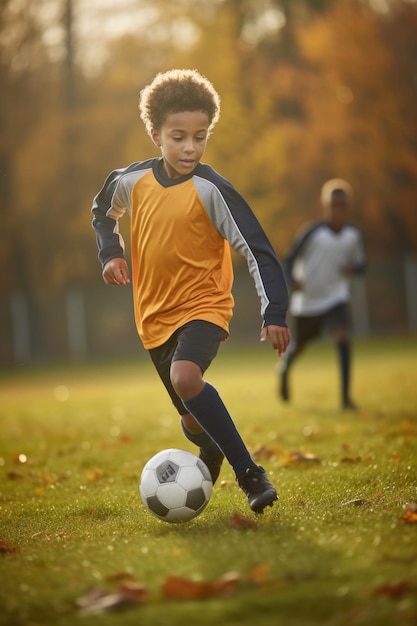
(73, 513)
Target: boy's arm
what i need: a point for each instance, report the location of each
(109, 241)
(235, 221)
(116, 272)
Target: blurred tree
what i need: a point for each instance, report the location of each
(353, 119)
(290, 119)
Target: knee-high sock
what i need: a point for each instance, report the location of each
(203, 441)
(210, 412)
(344, 359)
(289, 357)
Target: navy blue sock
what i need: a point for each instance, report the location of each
(344, 358)
(210, 412)
(203, 441)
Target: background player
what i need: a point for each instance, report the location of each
(322, 258)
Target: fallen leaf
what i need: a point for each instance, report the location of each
(6, 549)
(259, 574)
(96, 600)
(226, 584)
(394, 590)
(290, 458)
(13, 475)
(266, 452)
(239, 522)
(133, 590)
(95, 474)
(410, 514)
(179, 588)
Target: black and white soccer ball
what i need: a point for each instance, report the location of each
(175, 485)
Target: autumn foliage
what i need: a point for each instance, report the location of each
(331, 92)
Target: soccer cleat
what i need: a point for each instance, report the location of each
(259, 491)
(213, 462)
(349, 405)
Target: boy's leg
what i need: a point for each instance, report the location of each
(339, 319)
(305, 329)
(210, 412)
(209, 451)
(195, 343)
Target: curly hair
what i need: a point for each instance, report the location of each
(176, 91)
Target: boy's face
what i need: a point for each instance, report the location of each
(337, 211)
(182, 139)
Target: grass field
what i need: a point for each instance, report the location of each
(339, 549)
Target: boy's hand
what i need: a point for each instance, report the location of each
(279, 335)
(116, 272)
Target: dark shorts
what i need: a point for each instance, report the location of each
(307, 328)
(197, 341)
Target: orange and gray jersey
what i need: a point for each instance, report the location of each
(181, 230)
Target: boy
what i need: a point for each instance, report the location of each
(318, 266)
(184, 215)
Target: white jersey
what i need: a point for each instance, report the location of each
(316, 259)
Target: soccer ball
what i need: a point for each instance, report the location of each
(175, 485)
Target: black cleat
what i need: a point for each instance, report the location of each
(213, 462)
(259, 491)
(348, 405)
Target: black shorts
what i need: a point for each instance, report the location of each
(197, 341)
(311, 327)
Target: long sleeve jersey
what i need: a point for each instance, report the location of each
(180, 234)
(316, 259)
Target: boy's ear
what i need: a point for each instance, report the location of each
(155, 138)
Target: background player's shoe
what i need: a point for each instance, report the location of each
(349, 405)
(259, 491)
(213, 461)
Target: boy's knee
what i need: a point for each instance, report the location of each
(186, 378)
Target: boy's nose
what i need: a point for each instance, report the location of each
(189, 146)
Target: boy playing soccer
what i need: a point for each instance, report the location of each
(318, 266)
(184, 215)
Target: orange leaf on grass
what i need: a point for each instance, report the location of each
(394, 590)
(266, 452)
(13, 475)
(94, 474)
(6, 549)
(290, 458)
(240, 522)
(259, 574)
(179, 588)
(133, 590)
(410, 514)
